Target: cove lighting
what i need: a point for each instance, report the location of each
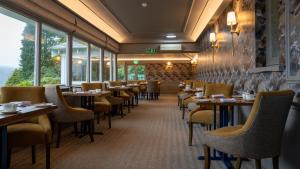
(170, 36)
(79, 8)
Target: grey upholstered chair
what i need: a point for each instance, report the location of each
(152, 89)
(260, 137)
(67, 114)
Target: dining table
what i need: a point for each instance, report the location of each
(22, 113)
(226, 106)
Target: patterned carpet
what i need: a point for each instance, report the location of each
(152, 136)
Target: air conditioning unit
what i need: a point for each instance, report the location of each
(170, 47)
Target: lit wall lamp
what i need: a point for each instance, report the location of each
(214, 44)
(232, 22)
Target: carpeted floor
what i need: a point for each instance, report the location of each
(152, 136)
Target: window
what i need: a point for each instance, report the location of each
(95, 63)
(121, 71)
(17, 49)
(107, 63)
(136, 72)
(53, 56)
(79, 61)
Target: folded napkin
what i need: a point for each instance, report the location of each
(229, 100)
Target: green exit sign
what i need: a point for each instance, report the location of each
(151, 50)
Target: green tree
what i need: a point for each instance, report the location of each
(23, 76)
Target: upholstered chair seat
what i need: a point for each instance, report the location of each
(260, 137)
(204, 114)
(30, 132)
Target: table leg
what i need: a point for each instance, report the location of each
(3, 148)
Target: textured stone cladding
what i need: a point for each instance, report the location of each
(232, 66)
(175, 72)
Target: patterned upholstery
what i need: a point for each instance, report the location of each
(260, 137)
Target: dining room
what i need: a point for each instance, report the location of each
(164, 84)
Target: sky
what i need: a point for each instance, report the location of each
(10, 42)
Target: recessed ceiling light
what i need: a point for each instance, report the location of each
(144, 4)
(170, 36)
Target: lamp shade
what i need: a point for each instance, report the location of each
(231, 18)
(212, 37)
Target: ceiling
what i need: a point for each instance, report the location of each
(159, 18)
(130, 22)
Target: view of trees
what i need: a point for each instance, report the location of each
(50, 66)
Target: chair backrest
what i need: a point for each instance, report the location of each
(152, 86)
(218, 88)
(132, 81)
(198, 84)
(264, 127)
(115, 83)
(54, 95)
(91, 86)
(33, 94)
(188, 82)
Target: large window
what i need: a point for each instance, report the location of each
(107, 63)
(53, 56)
(136, 72)
(17, 41)
(95, 63)
(121, 71)
(79, 61)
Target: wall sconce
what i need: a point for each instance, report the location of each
(213, 41)
(169, 64)
(232, 22)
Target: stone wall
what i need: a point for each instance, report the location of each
(169, 76)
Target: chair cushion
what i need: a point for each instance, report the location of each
(24, 134)
(103, 106)
(203, 116)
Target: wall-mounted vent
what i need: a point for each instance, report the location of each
(170, 47)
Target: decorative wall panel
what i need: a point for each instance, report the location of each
(169, 76)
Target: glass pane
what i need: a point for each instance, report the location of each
(140, 72)
(95, 63)
(131, 72)
(79, 61)
(17, 49)
(107, 56)
(294, 40)
(53, 56)
(121, 72)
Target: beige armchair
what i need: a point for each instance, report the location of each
(204, 114)
(260, 137)
(102, 105)
(67, 114)
(30, 132)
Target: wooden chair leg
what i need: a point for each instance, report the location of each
(109, 118)
(183, 112)
(190, 133)
(91, 130)
(98, 117)
(33, 154)
(58, 135)
(258, 163)
(238, 163)
(275, 162)
(8, 157)
(206, 157)
(75, 129)
(47, 156)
